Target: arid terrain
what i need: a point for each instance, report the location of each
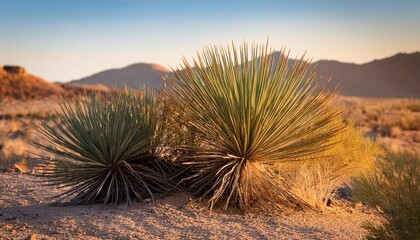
(26, 209)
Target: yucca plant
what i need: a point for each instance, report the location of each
(247, 111)
(104, 148)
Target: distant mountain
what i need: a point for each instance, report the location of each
(16, 83)
(133, 76)
(396, 76)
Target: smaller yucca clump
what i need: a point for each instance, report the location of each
(394, 186)
(103, 148)
(247, 110)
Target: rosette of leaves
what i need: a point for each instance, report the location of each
(248, 109)
(103, 148)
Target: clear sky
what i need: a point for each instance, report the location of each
(65, 40)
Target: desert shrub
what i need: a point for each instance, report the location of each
(248, 110)
(394, 186)
(104, 148)
(413, 105)
(416, 137)
(11, 151)
(316, 181)
(402, 120)
(395, 131)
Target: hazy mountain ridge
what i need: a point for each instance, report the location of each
(395, 76)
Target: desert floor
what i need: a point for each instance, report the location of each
(26, 212)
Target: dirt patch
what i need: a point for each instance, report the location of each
(26, 211)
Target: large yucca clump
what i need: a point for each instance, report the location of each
(103, 148)
(247, 111)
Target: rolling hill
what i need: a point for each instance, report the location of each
(16, 83)
(133, 76)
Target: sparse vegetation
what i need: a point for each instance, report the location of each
(104, 148)
(248, 112)
(395, 120)
(394, 186)
(383, 115)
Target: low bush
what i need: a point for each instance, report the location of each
(394, 186)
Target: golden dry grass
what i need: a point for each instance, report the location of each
(315, 181)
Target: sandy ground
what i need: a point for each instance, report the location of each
(26, 212)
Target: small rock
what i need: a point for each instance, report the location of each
(25, 226)
(8, 170)
(17, 168)
(329, 202)
(14, 168)
(14, 69)
(345, 192)
(356, 204)
(416, 137)
(147, 200)
(32, 237)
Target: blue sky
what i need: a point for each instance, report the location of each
(65, 40)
